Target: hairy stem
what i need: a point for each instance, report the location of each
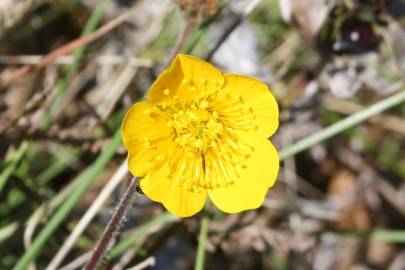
(113, 226)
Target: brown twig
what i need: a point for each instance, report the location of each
(113, 226)
(30, 107)
(229, 30)
(69, 47)
(181, 39)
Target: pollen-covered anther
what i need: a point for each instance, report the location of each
(203, 104)
(185, 82)
(149, 144)
(198, 143)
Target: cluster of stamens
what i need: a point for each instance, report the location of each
(208, 151)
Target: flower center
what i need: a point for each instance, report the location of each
(196, 127)
(208, 152)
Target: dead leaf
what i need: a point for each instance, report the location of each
(307, 15)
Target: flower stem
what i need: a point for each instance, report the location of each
(113, 226)
(202, 238)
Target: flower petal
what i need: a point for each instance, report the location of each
(258, 96)
(250, 189)
(158, 186)
(172, 80)
(144, 134)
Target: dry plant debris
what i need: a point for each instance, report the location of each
(337, 205)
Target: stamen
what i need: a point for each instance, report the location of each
(207, 153)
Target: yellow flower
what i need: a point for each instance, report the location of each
(203, 133)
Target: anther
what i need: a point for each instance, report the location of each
(185, 81)
(149, 144)
(163, 105)
(203, 104)
(198, 143)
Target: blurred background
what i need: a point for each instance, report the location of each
(69, 69)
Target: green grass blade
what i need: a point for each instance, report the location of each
(56, 167)
(129, 240)
(85, 181)
(202, 238)
(8, 231)
(379, 234)
(392, 236)
(12, 165)
(342, 125)
(77, 54)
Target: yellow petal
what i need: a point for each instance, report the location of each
(172, 82)
(258, 96)
(158, 186)
(250, 188)
(144, 134)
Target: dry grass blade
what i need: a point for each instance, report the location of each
(65, 49)
(68, 59)
(88, 216)
(149, 262)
